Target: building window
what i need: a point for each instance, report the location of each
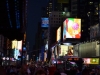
(91, 2)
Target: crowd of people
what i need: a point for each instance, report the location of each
(45, 70)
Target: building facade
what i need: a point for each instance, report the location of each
(87, 10)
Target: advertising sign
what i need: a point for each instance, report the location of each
(19, 47)
(59, 34)
(46, 46)
(94, 31)
(91, 60)
(14, 44)
(44, 22)
(64, 50)
(72, 28)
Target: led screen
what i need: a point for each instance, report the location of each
(46, 46)
(19, 45)
(91, 60)
(45, 22)
(72, 28)
(16, 53)
(14, 44)
(64, 50)
(59, 34)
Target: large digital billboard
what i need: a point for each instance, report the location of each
(91, 60)
(44, 22)
(72, 28)
(59, 34)
(64, 50)
(19, 47)
(14, 44)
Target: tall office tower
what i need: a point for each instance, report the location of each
(63, 5)
(13, 15)
(51, 6)
(58, 5)
(55, 20)
(87, 10)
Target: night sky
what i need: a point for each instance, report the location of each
(34, 16)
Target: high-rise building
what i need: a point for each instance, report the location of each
(51, 6)
(87, 10)
(55, 20)
(13, 18)
(63, 5)
(58, 5)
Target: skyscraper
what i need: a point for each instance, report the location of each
(13, 18)
(87, 10)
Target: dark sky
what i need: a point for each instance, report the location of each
(34, 16)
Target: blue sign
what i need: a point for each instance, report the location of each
(45, 22)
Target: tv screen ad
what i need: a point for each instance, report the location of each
(91, 60)
(17, 48)
(72, 28)
(64, 50)
(59, 34)
(44, 22)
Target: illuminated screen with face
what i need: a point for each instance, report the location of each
(72, 28)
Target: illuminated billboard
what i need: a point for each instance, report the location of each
(72, 28)
(46, 46)
(17, 53)
(14, 44)
(63, 51)
(19, 46)
(91, 60)
(59, 34)
(44, 22)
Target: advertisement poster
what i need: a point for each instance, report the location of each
(59, 34)
(45, 22)
(72, 28)
(64, 50)
(91, 60)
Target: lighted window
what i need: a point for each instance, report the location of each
(91, 2)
